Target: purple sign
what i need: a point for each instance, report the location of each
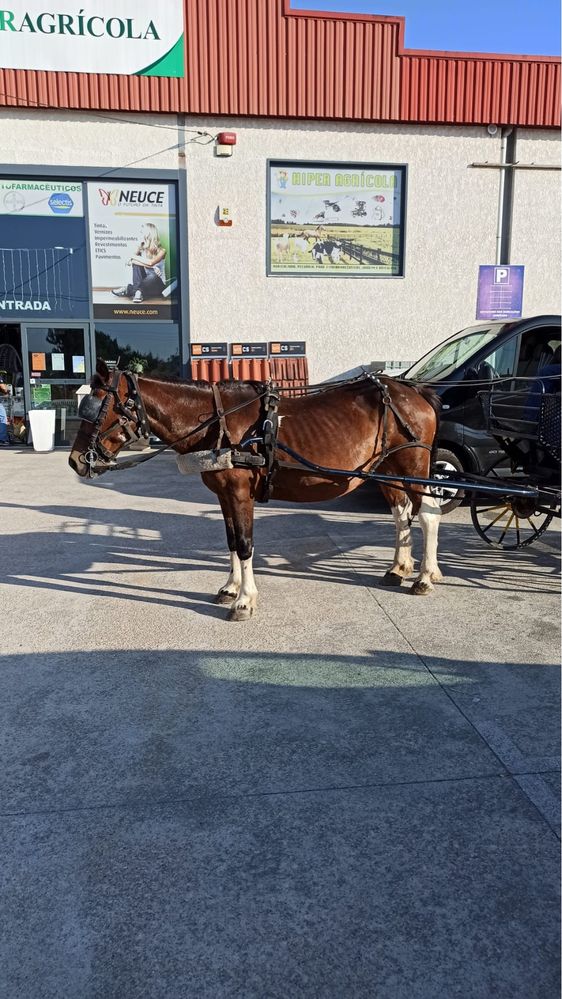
(500, 292)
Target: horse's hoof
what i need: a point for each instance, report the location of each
(420, 589)
(391, 579)
(223, 597)
(240, 614)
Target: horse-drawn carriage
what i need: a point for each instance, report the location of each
(249, 443)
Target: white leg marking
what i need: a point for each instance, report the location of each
(245, 604)
(429, 518)
(231, 588)
(403, 564)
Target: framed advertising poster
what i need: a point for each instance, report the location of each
(133, 250)
(336, 220)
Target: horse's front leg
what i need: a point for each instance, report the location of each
(242, 507)
(228, 593)
(429, 517)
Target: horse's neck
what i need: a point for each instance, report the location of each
(174, 409)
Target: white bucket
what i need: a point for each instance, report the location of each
(42, 422)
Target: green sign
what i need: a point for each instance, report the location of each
(40, 394)
(139, 38)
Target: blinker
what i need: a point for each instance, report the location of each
(89, 408)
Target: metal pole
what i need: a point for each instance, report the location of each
(503, 161)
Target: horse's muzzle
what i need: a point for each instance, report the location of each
(88, 469)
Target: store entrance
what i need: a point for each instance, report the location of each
(56, 363)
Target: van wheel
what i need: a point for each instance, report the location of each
(447, 461)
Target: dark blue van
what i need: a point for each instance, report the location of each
(522, 348)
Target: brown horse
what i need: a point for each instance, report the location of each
(342, 427)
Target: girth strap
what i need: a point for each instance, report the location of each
(270, 431)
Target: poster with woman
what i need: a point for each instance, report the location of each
(336, 220)
(133, 251)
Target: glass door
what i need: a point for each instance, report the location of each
(56, 363)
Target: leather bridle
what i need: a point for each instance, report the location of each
(130, 419)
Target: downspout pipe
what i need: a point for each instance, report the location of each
(503, 233)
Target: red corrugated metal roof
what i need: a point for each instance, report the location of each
(260, 58)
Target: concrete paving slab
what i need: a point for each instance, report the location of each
(425, 892)
(82, 729)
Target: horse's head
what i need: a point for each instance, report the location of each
(112, 415)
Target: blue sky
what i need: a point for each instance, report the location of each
(527, 27)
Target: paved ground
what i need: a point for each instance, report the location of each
(351, 795)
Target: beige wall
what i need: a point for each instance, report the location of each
(451, 225)
(536, 234)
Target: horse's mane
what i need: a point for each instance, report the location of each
(198, 383)
(430, 395)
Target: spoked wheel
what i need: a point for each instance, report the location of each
(508, 522)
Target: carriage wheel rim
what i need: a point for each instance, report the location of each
(509, 524)
(479, 507)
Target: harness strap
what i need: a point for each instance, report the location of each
(136, 397)
(388, 404)
(270, 430)
(223, 429)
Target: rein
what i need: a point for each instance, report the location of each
(134, 401)
(135, 430)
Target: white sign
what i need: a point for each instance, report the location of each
(40, 197)
(132, 37)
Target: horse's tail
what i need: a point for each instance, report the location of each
(430, 396)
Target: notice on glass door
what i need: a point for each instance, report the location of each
(78, 365)
(38, 362)
(57, 362)
(41, 394)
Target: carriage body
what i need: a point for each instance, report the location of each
(523, 415)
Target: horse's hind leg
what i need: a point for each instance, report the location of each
(429, 517)
(403, 564)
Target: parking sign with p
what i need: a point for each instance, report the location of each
(500, 291)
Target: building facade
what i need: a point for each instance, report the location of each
(366, 186)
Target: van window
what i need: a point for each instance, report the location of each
(540, 353)
(447, 357)
(502, 359)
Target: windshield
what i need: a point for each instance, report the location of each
(447, 357)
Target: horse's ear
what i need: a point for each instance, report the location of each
(102, 370)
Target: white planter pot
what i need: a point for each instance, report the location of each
(42, 422)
